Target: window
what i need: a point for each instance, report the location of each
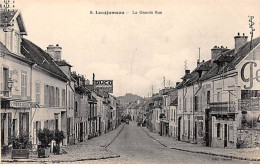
(57, 97)
(208, 97)
(184, 105)
(218, 130)
(76, 108)
(63, 98)
(46, 95)
(5, 78)
(196, 103)
(38, 92)
(180, 103)
(24, 84)
(218, 97)
(174, 118)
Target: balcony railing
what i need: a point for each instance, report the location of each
(223, 107)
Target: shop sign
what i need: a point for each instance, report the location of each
(16, 104)
(249, 104)
(104, 86)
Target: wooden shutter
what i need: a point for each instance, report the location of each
(20, 124)
(9, 126)
(27, 124)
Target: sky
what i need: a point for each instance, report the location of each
(137, 50)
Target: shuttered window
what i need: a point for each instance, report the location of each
(24, 84)
(63, 98)
(57, 97)
(38, 92)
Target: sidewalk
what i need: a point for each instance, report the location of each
(250, 154)
(93, 149)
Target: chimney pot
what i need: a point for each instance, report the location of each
(187, 71)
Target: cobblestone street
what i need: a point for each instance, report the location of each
(93, 149)
(135, 146)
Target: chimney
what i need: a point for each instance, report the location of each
(187, 72)
(55, 52)
(240, 41)
(216, 51)
(198, 63)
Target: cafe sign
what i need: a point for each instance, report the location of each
(18, 104)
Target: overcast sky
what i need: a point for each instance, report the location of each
(136, 51)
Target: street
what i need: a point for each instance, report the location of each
(134, 146)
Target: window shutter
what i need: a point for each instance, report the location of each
(1, 80)
(9, 126)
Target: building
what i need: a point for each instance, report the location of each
(219, 99)
(15, 77)
(81, 108)
(56, 54)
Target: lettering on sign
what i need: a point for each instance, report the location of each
(250, 74)
(104, 86)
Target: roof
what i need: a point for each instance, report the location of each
(41, 58)
(226, 61)
(5, 51)
(62, 63)
(174, 102)
(7, 17)
(243, 52)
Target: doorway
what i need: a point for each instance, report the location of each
(179, 128)
(81, 132)
(225, 135)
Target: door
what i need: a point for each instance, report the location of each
(81, 132)
(179, 129)
(208, 127)
(225, 135)
(195, 131)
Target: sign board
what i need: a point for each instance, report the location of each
(104, 86)
(16, 104)
(249, 71)
(249, 104)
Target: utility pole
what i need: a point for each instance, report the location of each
(199, 55)
(152, 89)
(163, 82)
(185, 64)
(251, 24)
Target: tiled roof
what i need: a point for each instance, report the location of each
(174, 102)
(4, 49)
(63, 63)
(225, 62)
(243, 52)
(6, 17)
(41, 58)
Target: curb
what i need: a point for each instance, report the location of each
(201, 152)
(59, 161)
